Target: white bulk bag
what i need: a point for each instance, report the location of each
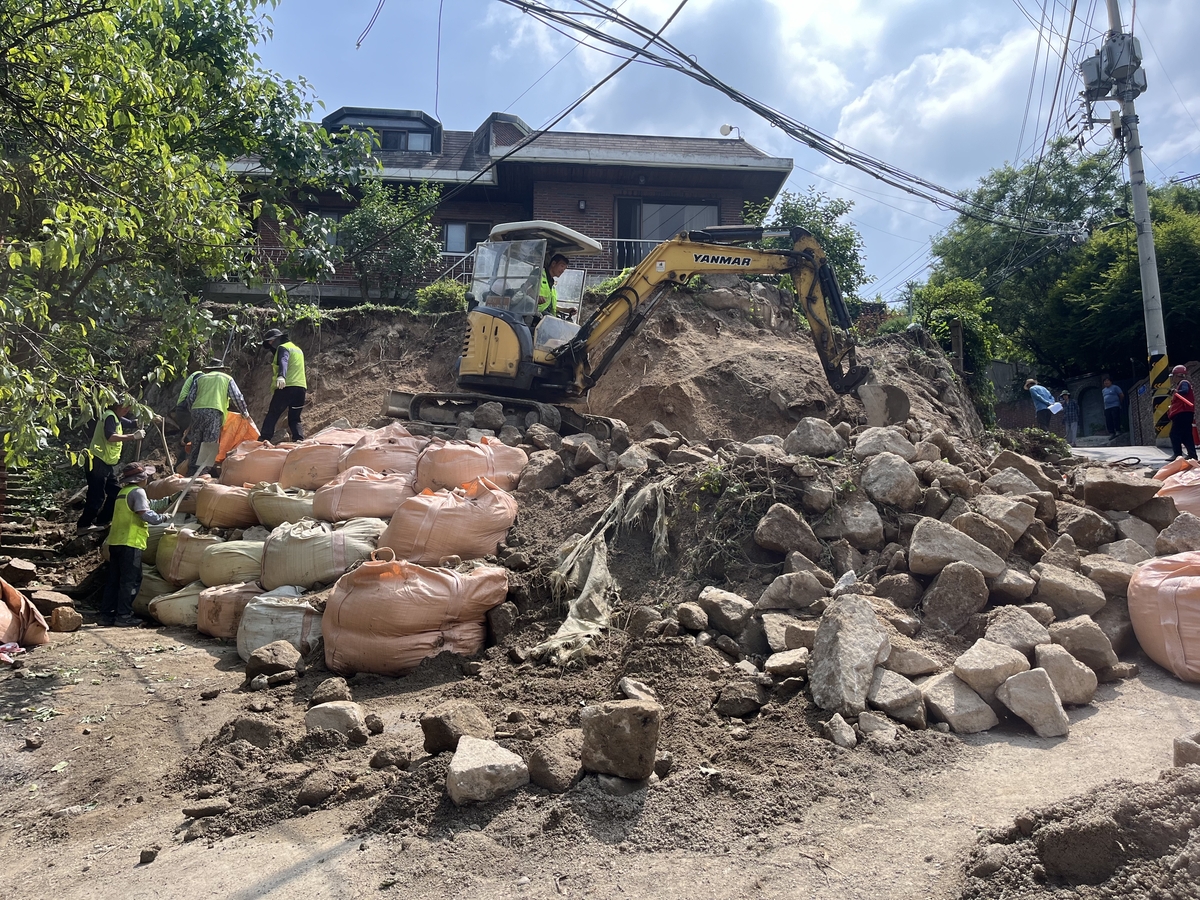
(308, 552)
(278, 615)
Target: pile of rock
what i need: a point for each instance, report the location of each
(925, 538)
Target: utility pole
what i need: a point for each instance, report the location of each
(1116, 73)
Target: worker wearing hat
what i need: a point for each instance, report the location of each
(1070, 416)
(113, 429)
(208, 399)
(1182, 413)
(126, 541)
(291, 385)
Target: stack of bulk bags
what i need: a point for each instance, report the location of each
(274, 505)
(346, 437)
(468, 522)
(1184, 488)
(447, 464)
(359, 492)
(387, 615)
(179, 554)
(1164, 607)
(179, 608)
(278, 615)
(231, 562)
(225, 506)
(307, 552)
(390, 449)
(252, 462)
(153, 585)
(173, 484)
(310, 464)
(220, 609)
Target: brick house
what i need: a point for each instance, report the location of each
(627, 191)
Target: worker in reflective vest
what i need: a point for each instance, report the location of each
(208, 399)
(126, 541)
(113, 429)
(548, 297)
(291, 384)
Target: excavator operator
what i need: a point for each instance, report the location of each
(548, 296)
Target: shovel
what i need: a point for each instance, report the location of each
(206, 459)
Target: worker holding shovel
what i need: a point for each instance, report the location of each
(126, 541)
(208, 399)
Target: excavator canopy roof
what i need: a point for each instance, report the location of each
(558, 238)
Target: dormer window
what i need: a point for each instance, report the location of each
(393, 139)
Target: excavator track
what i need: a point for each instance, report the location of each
(440, 412)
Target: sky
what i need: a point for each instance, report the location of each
(945, 89)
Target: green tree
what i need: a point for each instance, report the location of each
(826, 218)
(391, 240)
(938, 306)
(125, 127)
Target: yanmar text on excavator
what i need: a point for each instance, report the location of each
(530, 362)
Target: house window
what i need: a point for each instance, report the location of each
(461, 237)
(391, 139)
(331, 219)
(640, 224)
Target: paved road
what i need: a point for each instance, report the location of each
(1150, 456)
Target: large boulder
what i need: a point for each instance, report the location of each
(445, 724)
(1181, 536)
(884, 440)
(1110, 574)
(902, 589)
(813, 437)
(1011, 586)
(272, 659)
(785, 632)
(1014, 627)
(1131, 528)
(857, 521)
(544, 471)
(1031, 696)
(1011, 481)
(783, 530)
(890, 480)
(1031, 469)
(986, 665)
(1112, 489)
(1074, 682)
(952, 479)
(1011, 515)
(934, 545)
(798, 562)
(910, 662)
(797, 590)
(895, 695)
(1128, 550)
(740, 698)
(1086, 641)
(949, 699)
(1067, 593)
(1088, 528)
(1158, 513)
(555, 762)
(957, 593)
(620, 738)
(343, 716)
(850, 643)
(1062, 553)
(483, 770)
(726, 611)
(982, 529)
(329, 690)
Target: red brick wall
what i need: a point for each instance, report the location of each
(559, 202)
(466, 211)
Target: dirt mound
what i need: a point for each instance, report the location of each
(1123, 839)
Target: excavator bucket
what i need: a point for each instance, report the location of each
(885, 404)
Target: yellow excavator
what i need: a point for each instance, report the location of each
(529, 362)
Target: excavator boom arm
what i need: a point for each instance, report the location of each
(717, 250)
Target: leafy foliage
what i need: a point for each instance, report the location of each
(937, 307)
(390, 238)
(442, 296)
(120, 121)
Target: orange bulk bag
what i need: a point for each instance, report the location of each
(225, 506)
(347, 437)
(220, 610)
(179, 553)
(1175, 465)
(387, 615)
(254, 461)
(1184, 488)
(237, 428)
(360, 491)
(310, 465)
(1164, 606)
(20, 621)
(390, 449)
(467, 522)
(173, 484)
(447, 464)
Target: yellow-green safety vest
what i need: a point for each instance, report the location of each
(128, 528)
(547, 297)
(295, 372)
(101, 447)
(212, 391)
(187, 384)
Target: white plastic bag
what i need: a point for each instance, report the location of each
(278, 615)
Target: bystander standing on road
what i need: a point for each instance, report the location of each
(1113, 398)
(1070, 417)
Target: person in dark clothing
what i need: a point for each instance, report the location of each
(126, 541)
(112, 430)
(1182, 413)
(1113, 398)
(291, 384)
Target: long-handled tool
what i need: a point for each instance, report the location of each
(206, 459)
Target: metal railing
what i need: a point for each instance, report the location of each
(619, 254)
